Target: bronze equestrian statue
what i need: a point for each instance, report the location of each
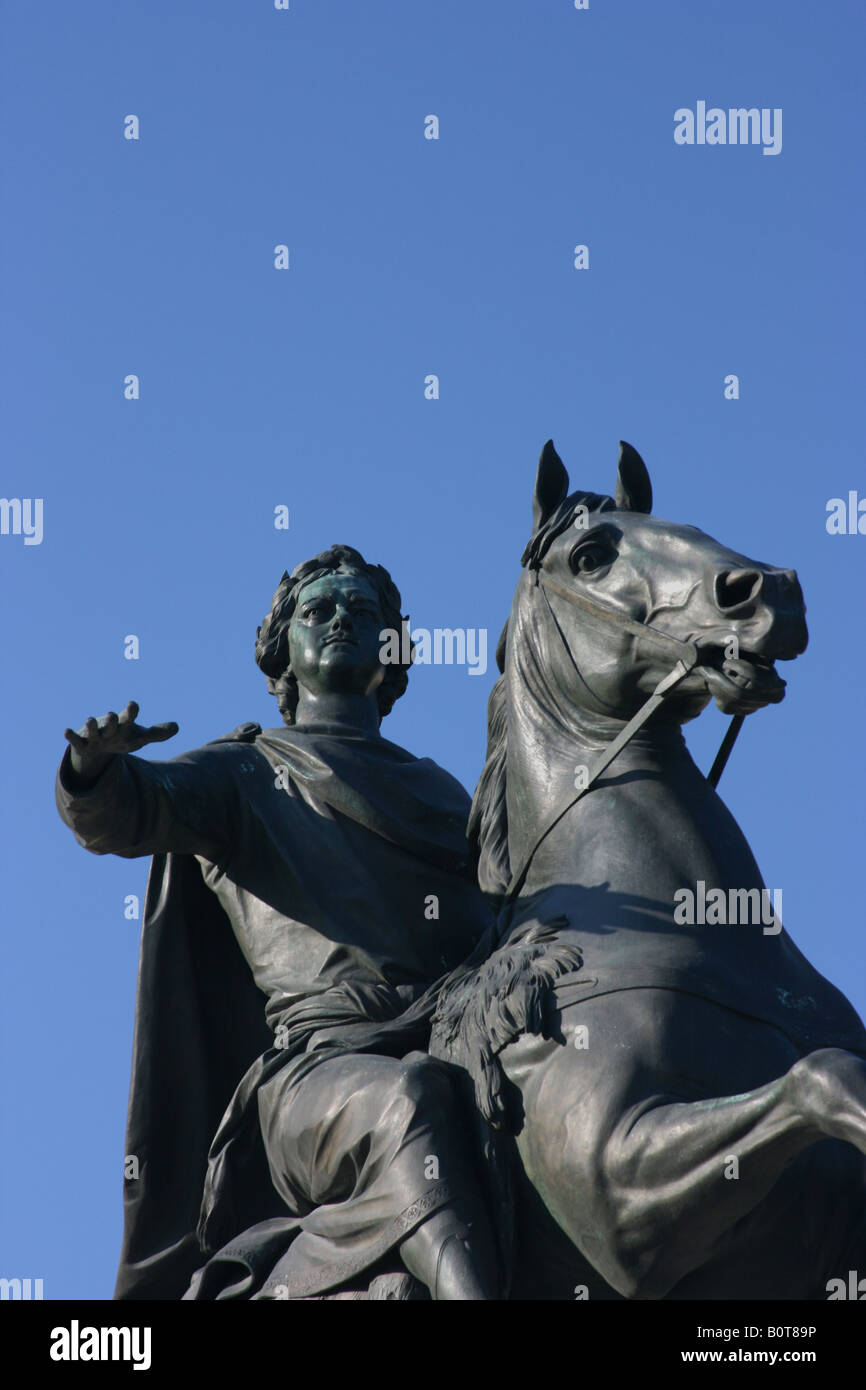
(360, 1073)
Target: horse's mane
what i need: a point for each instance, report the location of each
(488, 818)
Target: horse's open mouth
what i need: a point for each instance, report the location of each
(743, 683)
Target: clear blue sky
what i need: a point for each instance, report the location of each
(306, 388)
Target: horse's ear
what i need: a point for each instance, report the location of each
(551, 485)
(634, 491)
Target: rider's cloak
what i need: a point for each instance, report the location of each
(203, 1045)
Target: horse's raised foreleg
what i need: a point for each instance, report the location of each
(648, 1180)
(680, 1175)
(829, 1089)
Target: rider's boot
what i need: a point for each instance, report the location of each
(452, 1257)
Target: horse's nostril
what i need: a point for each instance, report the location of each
(734, 588)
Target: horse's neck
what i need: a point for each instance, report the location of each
(651, 815)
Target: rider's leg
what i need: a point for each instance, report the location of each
(673, 1131)
(453, 1258)
(373, 1152)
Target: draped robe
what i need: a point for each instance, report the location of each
(302, 881)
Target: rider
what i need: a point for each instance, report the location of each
(341, 864)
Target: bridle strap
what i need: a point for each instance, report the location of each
(612, 615)
(688, 659)
(725, 747)
(646, 711)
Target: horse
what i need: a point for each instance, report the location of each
(684, 1094)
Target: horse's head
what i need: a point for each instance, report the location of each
(742, 614)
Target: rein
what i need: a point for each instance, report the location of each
(688, 657)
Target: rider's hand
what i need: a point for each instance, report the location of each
(99, 740)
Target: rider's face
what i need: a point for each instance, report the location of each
(334, 636)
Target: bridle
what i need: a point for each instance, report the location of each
(687, 658)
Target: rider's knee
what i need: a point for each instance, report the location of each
(418, 1079)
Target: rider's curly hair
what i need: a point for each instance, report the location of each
(272, 637)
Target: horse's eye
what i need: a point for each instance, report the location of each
(586, 558)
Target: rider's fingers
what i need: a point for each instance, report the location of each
(157, 733)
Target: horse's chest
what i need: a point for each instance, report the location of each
(639, 836)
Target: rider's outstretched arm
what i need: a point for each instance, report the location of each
(116, 803)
